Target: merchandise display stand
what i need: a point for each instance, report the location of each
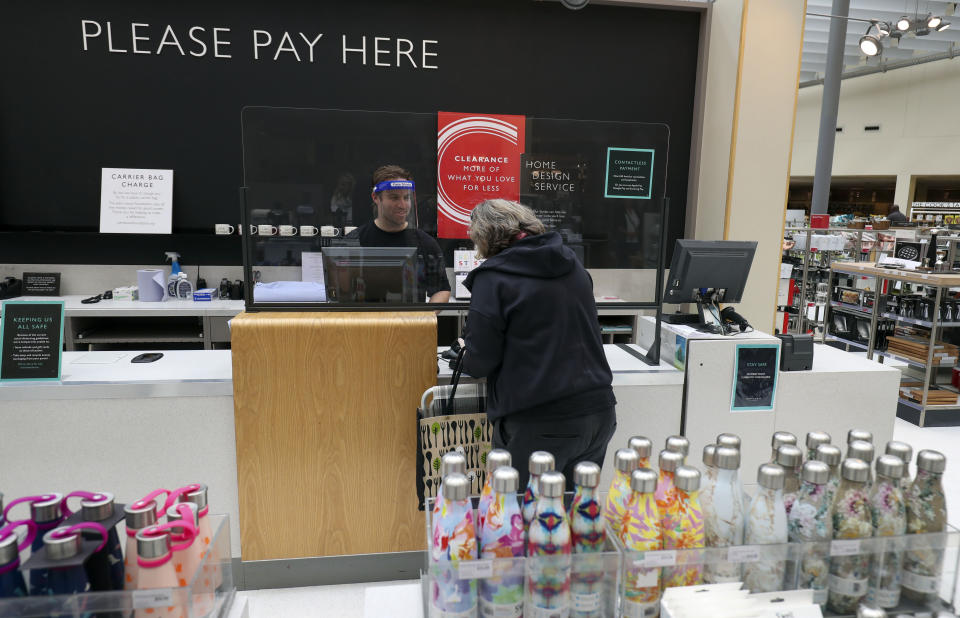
(925, 364)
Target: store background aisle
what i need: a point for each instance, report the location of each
(402, 599)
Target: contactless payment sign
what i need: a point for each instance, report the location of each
(478, 158)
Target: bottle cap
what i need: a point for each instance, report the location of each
(43, 511)
(139, 518)
(540, 462)
(586, 474)
(452, 462)
(815, 472)
(771, 476)
(552, 484)
(931, 461)
(860, 449)
(687, 478)
(669, 460)
(901, 449)
(829, 454)
(865, 611)
(782, 437)
(816, 438)
(678, 444)
(710, 455)
(455, 487)
(789, 456)
(644, 481)
(174, 515)
(98, 508)
(859, 434)
(642, 445)
(626, 460)
(152, 547)
(61, 548)
(496, 458)
(729, 439)
(506, 480)
(8, 549)
(856, 470)
(890, 466)
(727, 458)
(197, 496)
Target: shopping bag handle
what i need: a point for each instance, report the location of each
(454, 380)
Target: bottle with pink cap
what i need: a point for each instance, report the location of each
(197, 494)
(155, 553)
(138, 515)
(46, 515)
(104, 567)
(12, 583)
(65, 544)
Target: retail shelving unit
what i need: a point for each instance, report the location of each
(923, 412)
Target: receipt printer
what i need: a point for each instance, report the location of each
(796, 352)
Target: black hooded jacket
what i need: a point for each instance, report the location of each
(533, 332)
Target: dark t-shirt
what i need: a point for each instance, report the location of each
(431, 273)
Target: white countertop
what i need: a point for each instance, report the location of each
(828, 359)
(132, 308)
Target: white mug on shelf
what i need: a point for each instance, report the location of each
(288, 230)
(224, 229)
(349, 229)
(266, 229)
(329, 231)
(308, 230)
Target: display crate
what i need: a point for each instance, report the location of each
(781, 563)
(209, 594)
(593, 577)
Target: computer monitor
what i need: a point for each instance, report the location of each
(371, 274)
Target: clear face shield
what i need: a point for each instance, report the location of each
(396, 202)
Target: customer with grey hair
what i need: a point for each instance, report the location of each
(533, 332)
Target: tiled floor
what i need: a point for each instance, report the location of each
(402, 599)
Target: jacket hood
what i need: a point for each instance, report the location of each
(543, 256)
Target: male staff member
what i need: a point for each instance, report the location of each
(392, 195)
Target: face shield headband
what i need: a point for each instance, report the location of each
(386, 185)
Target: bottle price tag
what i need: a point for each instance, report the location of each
(476, 569)
(845, 548)
(743, 553)
(160, 597)
(663, 558)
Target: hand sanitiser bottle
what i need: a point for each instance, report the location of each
(926, 512)
(889, 512)
(496, 458)
(625, 461)
(810, 522)
(726, 516)
(589, 537)
(540, 462)
(501, 596)
(851, 520)
(454, 540)
(766, 525)
(549, 547)
(12, 584)
(641, 532)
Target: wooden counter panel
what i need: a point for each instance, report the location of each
(324, 405)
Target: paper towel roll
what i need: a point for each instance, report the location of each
(152, 285)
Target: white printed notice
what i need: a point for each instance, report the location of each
(134, 201)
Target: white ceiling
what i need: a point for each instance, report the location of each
(817, 31)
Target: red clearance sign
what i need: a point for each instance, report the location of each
(478, 158)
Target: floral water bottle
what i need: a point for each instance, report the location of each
(644, 448)
(766, 524)
(851, 520)
(549, 547)
(451, 462)
(790, 459)
(12, 584)
(815, 439)
(723, 522)
(454, 540)
(905, 452)
(641, 532)
(831, 455)
(688, 534)
(496, 458)
(810, 521)
(889, 513)
(668, 462)
(589, 537)
(540, 462)
(709, 480)
(625, 461)
(679, 444)
(728, 439)
(501, 596)
(779, 439)
(926, 512)
(859, 434)
(864, 451)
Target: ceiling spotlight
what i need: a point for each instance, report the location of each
(903, 24)
(870, 45)
(933, 21)
(884, 28)
(943, 26)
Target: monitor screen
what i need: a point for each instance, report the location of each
(702, 266)
(370, 274)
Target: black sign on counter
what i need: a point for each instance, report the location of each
(41, 284)
(629, 172)
(31, 340)
(755, 377)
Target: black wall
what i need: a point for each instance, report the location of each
(65, 112)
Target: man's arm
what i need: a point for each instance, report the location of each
(440, 297)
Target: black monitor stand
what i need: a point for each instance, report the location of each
(708, 310)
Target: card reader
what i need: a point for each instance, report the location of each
(796, 352)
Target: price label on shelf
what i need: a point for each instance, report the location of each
(743, 553)
(654, 559)
(161, 597)
(845, 548)
(476, 569)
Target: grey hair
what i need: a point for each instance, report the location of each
(495, 224)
